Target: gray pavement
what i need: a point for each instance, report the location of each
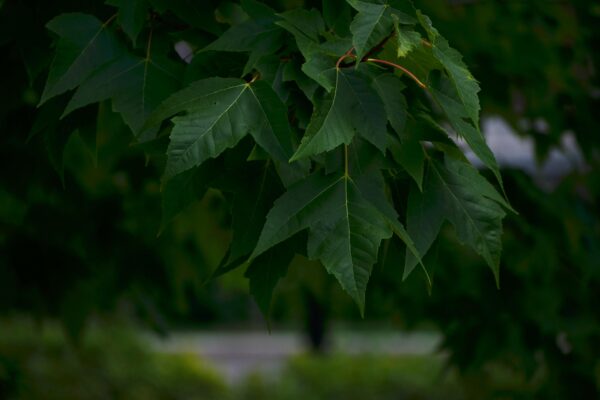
(236, 354)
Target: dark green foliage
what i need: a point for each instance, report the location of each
(336, 180)
(112, 363)
(80, 196)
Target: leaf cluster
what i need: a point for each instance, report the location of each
(339, 123)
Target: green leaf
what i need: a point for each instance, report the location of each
(210, 64)
(271, 69)
(197, 14)
(257, 9)
(465, 85)
(372, 24)
(425, 216)
(221, 111)
(420, 60)
(473, 208)
(302, 22)
(406, 39)
(185, 189)
(251, 203)
(372, 186)
(259, 36)
(266, 270)
(320, 58)
(446, 97)
(292, 72)
(457, 95)
(132, 15)
(189, 97)
(214, 124)
(336, 14)
(135, 85)
(85, 44)
(273, 113)
(250, 35)
(390, 88)
(345, 229)
(304, 204)
(410, 155)
(347, 242)
(353, 107)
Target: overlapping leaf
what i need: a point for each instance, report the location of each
(457, 95)
(135, 85)
(353, 108)
(257, 35)
(185, 189)
(266, 270)
(390, 88)
(320, 57)
(425, 216)
(407, 39)
(373, 23)
(345, 204)
(336, 14)
(85, 44)
(346, 224)
(464, 83)
(220, 112)
(251, 204)
(459, 118)
(132, 15)
(456, 192)
(197, 14)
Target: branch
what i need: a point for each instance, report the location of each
(401, 68)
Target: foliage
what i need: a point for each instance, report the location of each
(542, 326)
(99, 197)
(111, 364)
(388, 377)
(301, 77)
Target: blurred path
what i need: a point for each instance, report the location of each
(235, 354)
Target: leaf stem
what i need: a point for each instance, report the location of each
(148, 47)
(346, 55)
(108, 21)
(346, 172)
(400, 67)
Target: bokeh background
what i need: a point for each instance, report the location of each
(93, 305)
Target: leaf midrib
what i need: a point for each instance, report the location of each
(212, 125)
(184, 105)
(266, 118)
(287, 219)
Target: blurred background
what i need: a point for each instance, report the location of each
(93, 305)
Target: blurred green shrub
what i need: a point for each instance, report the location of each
(110, 363)
(365, 377)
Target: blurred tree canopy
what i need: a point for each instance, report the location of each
(80, 209)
